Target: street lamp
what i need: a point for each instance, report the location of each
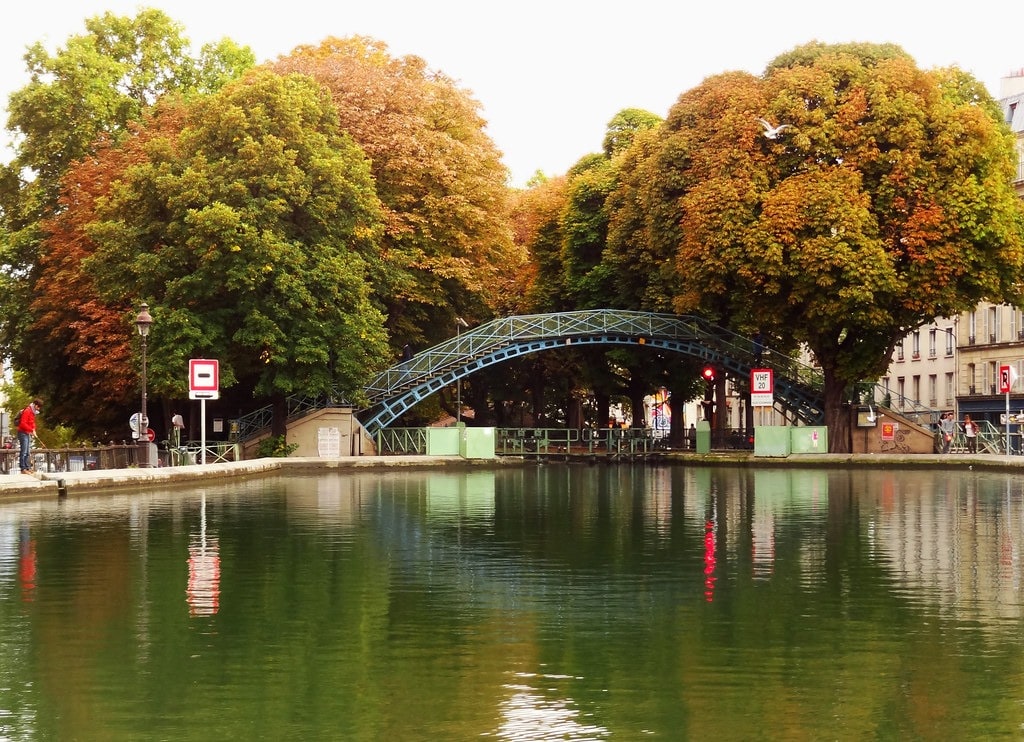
(142, 322)
(459, 324)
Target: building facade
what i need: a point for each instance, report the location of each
(954, 364)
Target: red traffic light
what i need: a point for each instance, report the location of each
(708, 373)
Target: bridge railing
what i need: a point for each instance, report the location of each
(297, 406)
(553, 441)
(401, 441)
(397, 388)
(500, 332)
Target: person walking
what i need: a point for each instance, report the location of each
(26, 432)
(947, 426)
(971, 433)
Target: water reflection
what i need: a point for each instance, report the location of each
(530, 714)
(549, 602)
(203, 591)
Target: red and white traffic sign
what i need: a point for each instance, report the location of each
(1007, 377)
(762, 387)
(203, 379)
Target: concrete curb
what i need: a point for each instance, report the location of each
(22, 486)
(25, 486)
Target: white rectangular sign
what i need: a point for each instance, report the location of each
(203, 379)
(762, 387)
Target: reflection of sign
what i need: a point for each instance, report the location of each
(762, 387)
(888, 431)
(203, 590)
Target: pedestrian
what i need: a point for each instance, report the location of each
(26, 432)
(177, 425)
(971, 433)
(947, 426)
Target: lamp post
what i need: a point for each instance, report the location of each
(459, 324)
(142, 322)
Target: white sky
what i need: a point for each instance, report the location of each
(549, 74)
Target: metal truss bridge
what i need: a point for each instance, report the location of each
(798, 387)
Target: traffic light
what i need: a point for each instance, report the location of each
(708, 373)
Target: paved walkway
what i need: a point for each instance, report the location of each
(24, 486)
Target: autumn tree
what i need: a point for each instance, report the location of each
(446, 246)
(92, 377)
(884, 203)
(250, 233)
(86, 94)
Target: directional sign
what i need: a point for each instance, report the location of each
(762, 387)
(203, 379)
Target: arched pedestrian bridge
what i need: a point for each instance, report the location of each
(798, 387)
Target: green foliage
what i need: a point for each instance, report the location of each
(885, 203)
(275, 447)
(79, 100)
(624, 127)
(251, 234)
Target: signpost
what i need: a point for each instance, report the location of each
(203, 384)
(762, 388)
(1007, 378)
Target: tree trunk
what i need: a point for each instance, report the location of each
(537, 398)
(279, 419)
(837, 419)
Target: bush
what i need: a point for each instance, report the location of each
(277, 446)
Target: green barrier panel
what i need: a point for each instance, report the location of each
(477, 443)
(442, 441)
(809, 439)
(772, 440)
(703, 437)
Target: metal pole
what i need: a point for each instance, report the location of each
(459, 324)
(1007, 419)
(144, 421)
(458, 381)
(142, 323)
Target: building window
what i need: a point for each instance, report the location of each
(916, 339)
(972, 328)
(932, 345)
(933, 390)
(901, 391)
(899, 351)
(993, 376)
(971, 382)
(950, 341)
(993, 324)
(950, 390)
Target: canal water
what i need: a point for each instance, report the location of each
(557, 602)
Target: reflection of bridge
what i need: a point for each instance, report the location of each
(396, 390)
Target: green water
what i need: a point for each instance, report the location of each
(541, 603)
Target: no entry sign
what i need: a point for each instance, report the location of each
(203, 379)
